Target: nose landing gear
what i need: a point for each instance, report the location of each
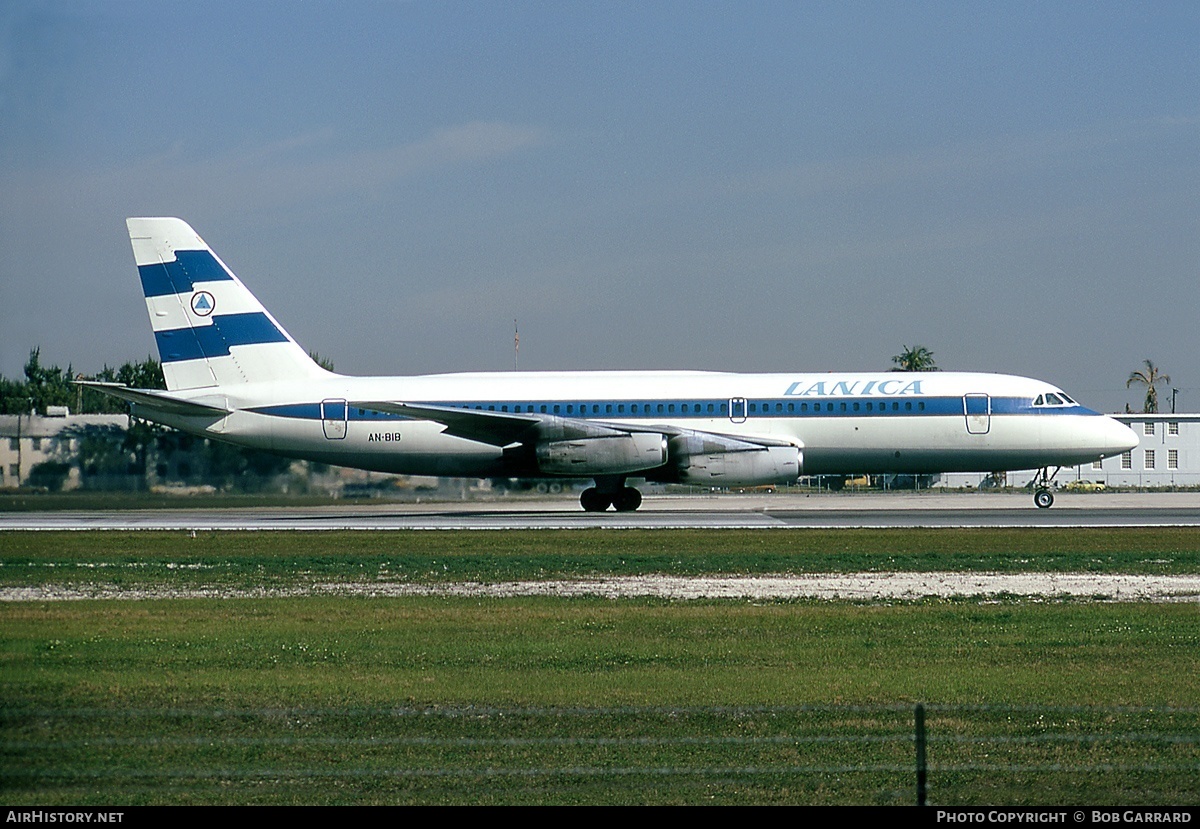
(1043, 497)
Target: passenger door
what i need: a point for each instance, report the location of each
(333, 419)
(978, 410)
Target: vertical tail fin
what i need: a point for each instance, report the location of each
(210, 330)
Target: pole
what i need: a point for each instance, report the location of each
(921, 771)
(18, 448)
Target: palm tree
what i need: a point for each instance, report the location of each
(1150, 377)
(917, 358)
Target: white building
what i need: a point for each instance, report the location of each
(32, 439)
(1167, 455)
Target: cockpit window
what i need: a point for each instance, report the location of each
(1051, 398)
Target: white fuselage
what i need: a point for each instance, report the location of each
(841, 423)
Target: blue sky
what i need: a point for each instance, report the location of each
(717, 185)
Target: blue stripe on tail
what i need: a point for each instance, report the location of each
(215, 340)
(181, 276)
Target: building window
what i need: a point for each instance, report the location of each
(1148, 427)
(1149, 458)
(1127, 460)
(15, 471)
(14, 444)
(37, 444)
(1173, 428)
(1097, 464)
(1172, 459)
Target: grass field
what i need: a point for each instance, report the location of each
(552, 700)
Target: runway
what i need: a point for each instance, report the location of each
(775, 511)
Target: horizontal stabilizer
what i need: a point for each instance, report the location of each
(158, 400)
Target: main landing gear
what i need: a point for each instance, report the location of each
(608, 493)
(1043, 497)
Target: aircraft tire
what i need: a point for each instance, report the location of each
(1043, 499)
(627, 499)
(593, 500)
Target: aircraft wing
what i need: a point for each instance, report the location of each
(506, 428)
(155, 399)
(492, 428)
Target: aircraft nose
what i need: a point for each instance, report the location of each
(1118, 437)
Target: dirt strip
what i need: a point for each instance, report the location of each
(853, 586)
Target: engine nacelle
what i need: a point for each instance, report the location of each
(760, 467)
(610, 455)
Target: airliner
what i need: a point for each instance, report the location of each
(234, 374)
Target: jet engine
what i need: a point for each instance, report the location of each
(609, 455)
(718, 460)
(767, 465)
